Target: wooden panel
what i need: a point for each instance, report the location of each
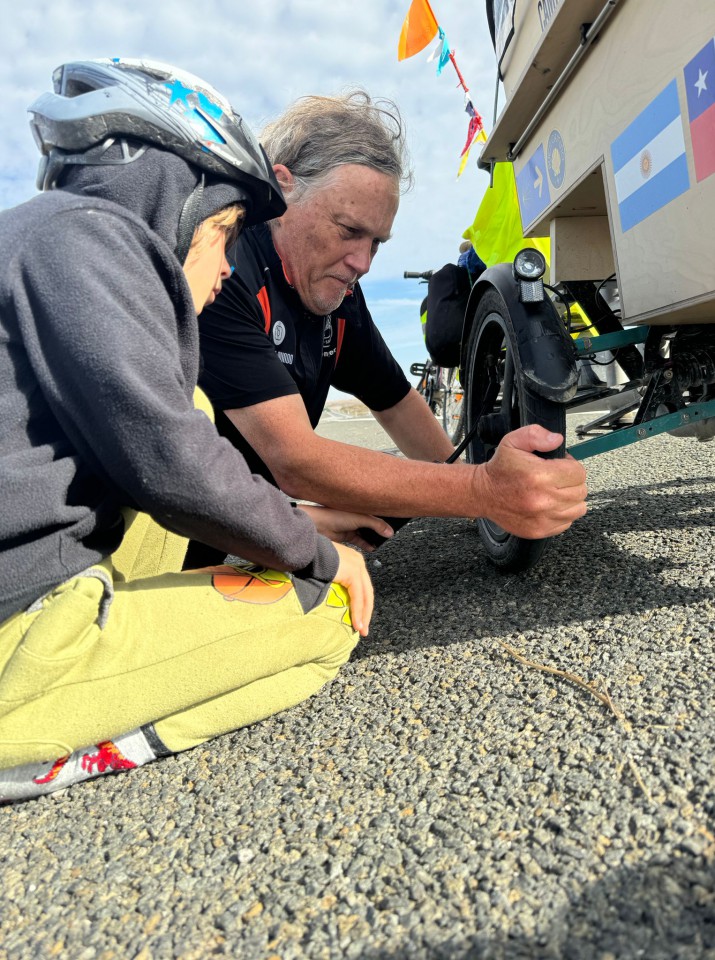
(581, 248)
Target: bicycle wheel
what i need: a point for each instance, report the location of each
(452, 405)
(424, 387)
(432, 391)
(494, 359)
(437, 405)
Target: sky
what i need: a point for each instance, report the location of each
(262, 56)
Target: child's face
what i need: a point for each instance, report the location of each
(206, 265)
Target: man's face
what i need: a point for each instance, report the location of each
(327, 241)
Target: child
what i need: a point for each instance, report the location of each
(109, 655)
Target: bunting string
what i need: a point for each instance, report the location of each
(419, 29)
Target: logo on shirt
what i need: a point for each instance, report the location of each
(328, 331)
(279, 332)
(286, 358)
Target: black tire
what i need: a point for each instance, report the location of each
(493, 353)
(453, 405)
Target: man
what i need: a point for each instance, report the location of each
(292, 321)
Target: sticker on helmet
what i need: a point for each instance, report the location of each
(187, 100)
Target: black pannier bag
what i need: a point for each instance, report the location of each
(447, 295)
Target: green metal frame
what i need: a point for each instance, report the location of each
(611, 341)
(624, 436)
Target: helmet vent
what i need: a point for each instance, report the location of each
(75, 88)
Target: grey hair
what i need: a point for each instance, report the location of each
(317, 134)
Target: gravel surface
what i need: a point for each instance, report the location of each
(441, 799)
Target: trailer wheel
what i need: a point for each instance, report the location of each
(493, 357)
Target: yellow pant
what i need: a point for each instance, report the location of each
(134, 641)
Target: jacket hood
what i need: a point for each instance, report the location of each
(154, 186)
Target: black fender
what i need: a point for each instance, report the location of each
(547, 354)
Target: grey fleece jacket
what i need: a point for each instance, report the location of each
(98, 363)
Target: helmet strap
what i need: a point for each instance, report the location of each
(189, 220)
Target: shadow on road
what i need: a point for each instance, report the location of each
(616, 917)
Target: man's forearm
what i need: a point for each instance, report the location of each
(415, 429)
(523, 493)
(353, 478)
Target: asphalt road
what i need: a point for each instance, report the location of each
(441, 798)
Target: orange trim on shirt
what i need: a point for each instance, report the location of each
(262, 296)
(341, 331)
(285, 274)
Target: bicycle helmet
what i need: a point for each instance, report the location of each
(97, 103)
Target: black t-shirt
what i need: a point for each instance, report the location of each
(258, 342)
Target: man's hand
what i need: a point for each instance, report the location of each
(353, 575)
(342, 526)
(527, 495)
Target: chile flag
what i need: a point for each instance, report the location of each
(700, 90)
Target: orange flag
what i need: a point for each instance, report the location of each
(419, 29)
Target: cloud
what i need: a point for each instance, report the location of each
(392, 303)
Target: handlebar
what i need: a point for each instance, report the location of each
(412, 275)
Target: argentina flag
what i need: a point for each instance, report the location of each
(649, 160)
